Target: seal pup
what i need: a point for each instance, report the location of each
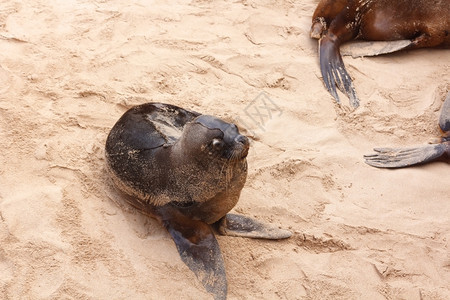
(186, 170)
(424, 23)
(405, 157)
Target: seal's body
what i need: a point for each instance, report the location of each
(424, 23)
(187, 170)
(164, 154)
(405, 157)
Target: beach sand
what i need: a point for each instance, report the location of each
(70, 69)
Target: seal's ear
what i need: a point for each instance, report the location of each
(198, 249)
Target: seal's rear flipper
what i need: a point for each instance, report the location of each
(399, 158)
(334, 72)
(198, 249)
(237, 225)
(373, 48)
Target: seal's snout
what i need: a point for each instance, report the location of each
(243, 144)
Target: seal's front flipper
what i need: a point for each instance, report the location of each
(198, 249)
(373, 48)
(399, 158)
(237, 225)
(333, 71)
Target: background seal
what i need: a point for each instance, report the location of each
(423, 23)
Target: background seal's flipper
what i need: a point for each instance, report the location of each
(444, 119)
(373, 48)
(399, 158)
(333, 71)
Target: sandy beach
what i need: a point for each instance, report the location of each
(70, 69)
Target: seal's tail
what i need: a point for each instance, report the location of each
(198, 249)
(334, 72)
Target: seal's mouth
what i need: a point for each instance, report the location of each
(242, 153)
(242, 145)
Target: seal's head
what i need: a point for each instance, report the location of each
(215, 138)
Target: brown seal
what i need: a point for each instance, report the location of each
(186, 170)
(405, 157)
(424, 23)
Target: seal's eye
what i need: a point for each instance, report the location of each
(217, 143)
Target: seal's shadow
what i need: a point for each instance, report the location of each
(144, 226)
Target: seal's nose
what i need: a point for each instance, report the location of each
(242, 139)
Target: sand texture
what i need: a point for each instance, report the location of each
(70, 69)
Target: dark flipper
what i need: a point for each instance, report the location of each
(237, 225)
(198, 249)
(195, 241)
(373, 48)
(444, 119)
(334, 72)
(399, 158)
